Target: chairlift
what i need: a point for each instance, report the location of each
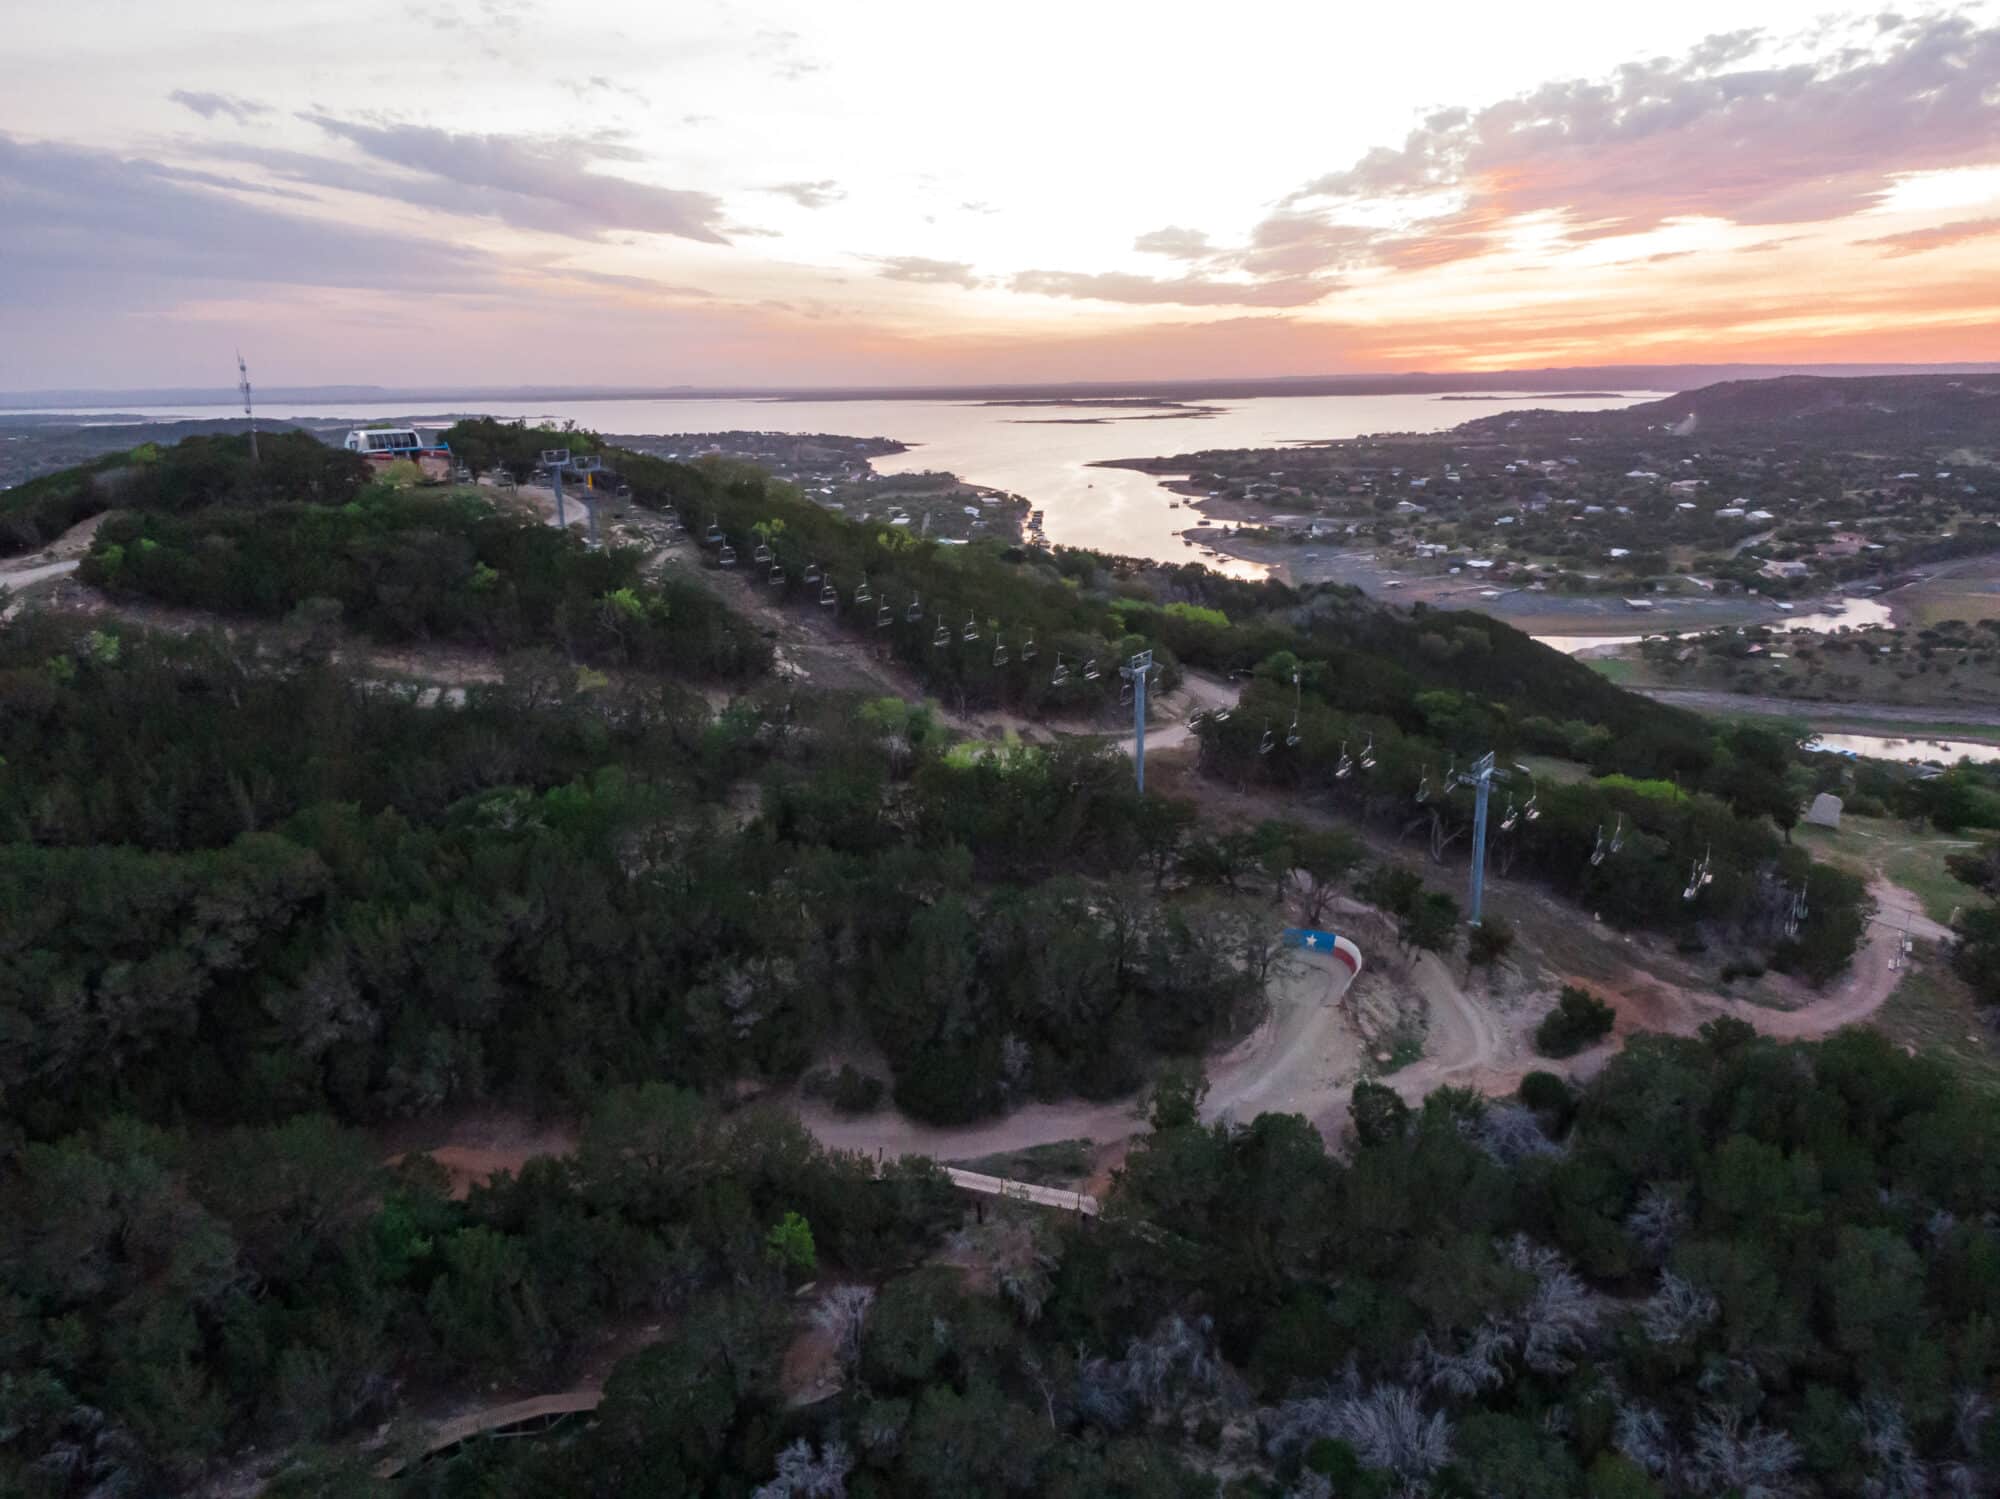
(864, 593)
(1694, 882)
(726, 557)
(1028, 651)
(1125, 694)
(1061, 673)
(714, 535)
(827, 597)
(763, 552)
(999, 651)
(1531, 812)
(1292, 735)
(1618, 834)
(1090, 671)
(776, 576)
(1265, 745)
(1424, 787)
(1510, 817)
(884, 617)
(813, 574)
(941, 637)
(1220, 715)
(915, 612)
(1344, 766)
(1368, 754)
(622, 492)
(971, 631)
(462, 474)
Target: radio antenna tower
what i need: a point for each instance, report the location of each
(243, 385)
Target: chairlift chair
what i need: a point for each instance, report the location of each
(1368, 754)
(1090, 671)
(763, 552)
(1220, 715)
(622, 492)
(1061, 673)
(1510, 817)
(1531, 812)
(999, 651)
(1598, 850)
(864, 593)
(1125, 694)
(941, 637)
(812, 573)
(1028, 651)
(884, 616)
(915, 612)
(1424, 787)
(714, 534)
(776, 576)
(1344, 766)
(726, 557)
(1292, 735)
(1264, 745)
(971, 631)
(1618, 834)
(827, 597)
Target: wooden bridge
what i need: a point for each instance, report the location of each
(1059, 1198)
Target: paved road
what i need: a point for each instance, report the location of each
(1786, 707)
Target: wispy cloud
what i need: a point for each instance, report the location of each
(1182, 291)
(208, 106)
(545, 183)
(923, 270)
(810, 194)
(78, 218)
(1916, 241)
(1173, 241)
(1710, 133)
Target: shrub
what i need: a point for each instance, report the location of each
(1546, 1093)
(1578, 1019)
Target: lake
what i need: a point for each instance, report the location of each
(1043, 453)
(1908, 751)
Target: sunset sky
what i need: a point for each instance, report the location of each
(519, 191)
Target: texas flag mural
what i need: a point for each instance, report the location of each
(1313, 940)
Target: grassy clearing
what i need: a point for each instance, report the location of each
(1933, 1013)
(1910, 857)
(1552, 768)
(1620, 669)
(1058, 1164)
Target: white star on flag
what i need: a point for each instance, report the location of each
(1312, 942)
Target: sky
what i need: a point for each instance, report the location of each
(832, 192)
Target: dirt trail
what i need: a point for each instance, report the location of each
(1290, 1063)
(57, 560)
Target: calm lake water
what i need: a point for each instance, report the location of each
(1909, 751)
(1043, 453)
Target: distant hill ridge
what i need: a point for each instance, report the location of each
(1855, 411)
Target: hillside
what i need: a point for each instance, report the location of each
(1899, 412)
(269, 922)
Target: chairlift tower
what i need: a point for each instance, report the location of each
(1480, 778)
(1137, 671)
(555, 460)
(587, 467)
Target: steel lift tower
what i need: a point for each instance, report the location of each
(1137, 671)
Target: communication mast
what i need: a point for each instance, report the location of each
(243, 385)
